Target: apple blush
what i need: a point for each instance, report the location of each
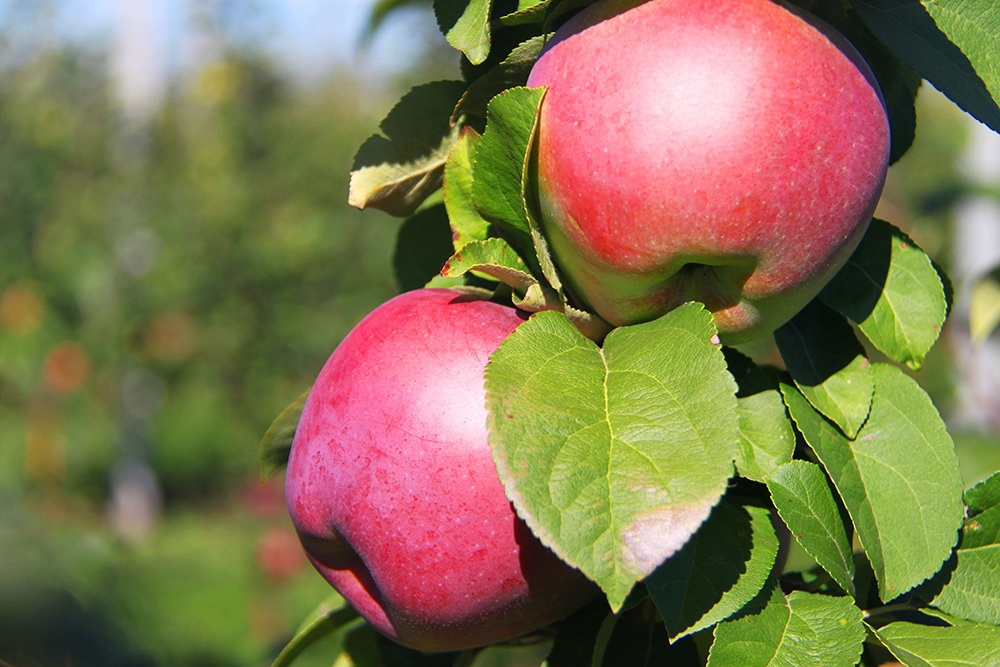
(393, 491)
(730, 152)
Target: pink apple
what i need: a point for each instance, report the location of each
(726, 151)
(392, 488)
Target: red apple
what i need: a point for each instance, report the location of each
(725, 151)
(392, 487)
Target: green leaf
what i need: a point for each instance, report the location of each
(982, 530)
(802, 629)
(892, 291)
(495, 258)
(499, 189)
(984, 495)
(397, 170)
(973, 588)
(805, 502)
(900, 86)
(500, 176)
(510, 73)
(423, 245)
(330, 616)
(466, 26)
(951, 44)
(970, 586)
(528, 4)
(766, 436)
(722, 568)
(918, 645)
(499, 172)
(899, 479)
(544, 12)
(277, 441)
(531, 11)
(984, 306)
(828, 365)
(615, 456)
(767, 439)
(603, 636)
(463, 217)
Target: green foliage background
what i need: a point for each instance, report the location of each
(165, 291)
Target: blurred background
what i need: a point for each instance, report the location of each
(177, 260)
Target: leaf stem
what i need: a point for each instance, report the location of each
(889, 609)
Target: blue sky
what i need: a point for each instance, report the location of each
(306, 34)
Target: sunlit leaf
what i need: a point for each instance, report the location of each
(982, 530)
(766, 436)
(892, 291)
(804, 501)
(495, 258)
(464, 219)
(614, 456)
(499, 171)
(970, 584)
(500, 188)
(899, 478)
(466, 26)
(917, 645)
(767, 439)
(802, 629)
(972, 591)
(984, 495)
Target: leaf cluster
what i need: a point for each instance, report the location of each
(672, 471)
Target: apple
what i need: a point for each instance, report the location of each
(392, 487)
(724, 151)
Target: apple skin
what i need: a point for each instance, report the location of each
(725, 151)
(392, 487)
